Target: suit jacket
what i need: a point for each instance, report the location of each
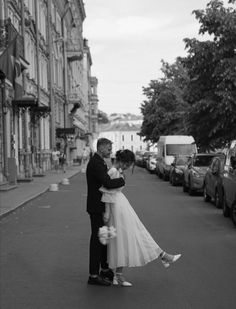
(97, 176)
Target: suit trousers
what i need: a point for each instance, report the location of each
(97, 251)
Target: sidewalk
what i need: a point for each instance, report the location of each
(12, 199)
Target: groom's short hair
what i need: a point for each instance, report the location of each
(103, 141)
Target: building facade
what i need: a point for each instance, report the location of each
(53, 106)
(123, 131)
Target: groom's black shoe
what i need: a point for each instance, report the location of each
(107, 274)
(98, 281)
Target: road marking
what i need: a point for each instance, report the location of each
(45, 206)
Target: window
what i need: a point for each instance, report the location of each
(202, 160)
(178, 149)
(123, 138)
(53, 13)
(131, 137)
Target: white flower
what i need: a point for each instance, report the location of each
(112, 232)
(105, 233)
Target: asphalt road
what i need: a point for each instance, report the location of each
(44, 252)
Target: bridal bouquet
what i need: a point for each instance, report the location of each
(105, 233)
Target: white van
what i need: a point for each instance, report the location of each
(170, 146)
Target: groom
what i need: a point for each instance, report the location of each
(97, 176)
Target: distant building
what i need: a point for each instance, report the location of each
(123, 132)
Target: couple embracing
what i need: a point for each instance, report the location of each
(132, 245)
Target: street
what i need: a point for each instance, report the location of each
(44, 252)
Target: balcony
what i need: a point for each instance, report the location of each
(74, 55)
(74, 50)
(74, 98)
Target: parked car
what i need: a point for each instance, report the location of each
(169, 146)
(195, 170)
(212, 186)
(151, 162)
(176, 170)
(139, 158)
(145, 158)
(229, 183)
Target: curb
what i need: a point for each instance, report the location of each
(33, 197)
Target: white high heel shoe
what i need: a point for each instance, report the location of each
(168, 259)
(120, 280)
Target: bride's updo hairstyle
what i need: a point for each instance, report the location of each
(125, 156)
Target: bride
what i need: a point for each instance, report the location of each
(133, 245)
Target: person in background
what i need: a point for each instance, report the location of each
(62, 161)
(55, 158)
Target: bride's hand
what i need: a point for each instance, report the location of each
(122, 174)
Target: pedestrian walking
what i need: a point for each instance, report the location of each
(55, 158)
(84, 156)
(133, 245)
(97, 176)
(62, 161)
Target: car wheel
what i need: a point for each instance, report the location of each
(218, 202)
(190, 190)
(226, 211)
(233, 213)
(206, 197)
(165, 177)
(185, 188)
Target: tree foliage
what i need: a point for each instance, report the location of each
(102, 117)
(164, 108)
(197, 95)
(211, 65)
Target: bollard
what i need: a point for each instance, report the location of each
(53, 187)
(65, 181)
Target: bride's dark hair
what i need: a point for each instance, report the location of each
(125, 156)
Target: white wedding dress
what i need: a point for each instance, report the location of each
(133, 245)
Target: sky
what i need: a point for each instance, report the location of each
(128, 39)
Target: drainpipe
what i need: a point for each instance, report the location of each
(50, 75)
(64, 76)
(4, 130)
(27, 163)
(3, 15)
(38, 76)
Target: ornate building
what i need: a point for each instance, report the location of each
(55, 107)
(123, 130)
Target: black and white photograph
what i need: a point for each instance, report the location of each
(117, 154)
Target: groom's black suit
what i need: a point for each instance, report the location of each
(96, 174)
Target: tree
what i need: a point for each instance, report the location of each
(211, 65)
(102, 117)
(165, 108)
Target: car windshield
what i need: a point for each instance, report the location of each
(147, 153)
(180, 149)
(181, 161)
(202, 160)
